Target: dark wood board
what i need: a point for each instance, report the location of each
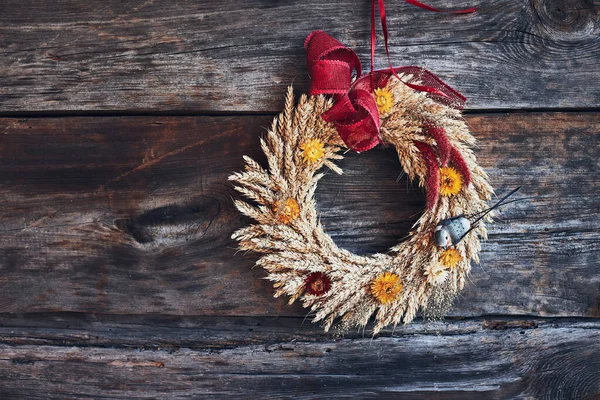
(212, 56)
(121, 121)
(493, 359)
(133, 215)
(154, 331)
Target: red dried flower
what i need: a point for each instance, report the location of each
(432, 182)
(317, 283)
(461, 165)
(443, 144)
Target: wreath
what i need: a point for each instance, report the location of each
(407, 108)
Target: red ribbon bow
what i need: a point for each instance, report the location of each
(354, 112)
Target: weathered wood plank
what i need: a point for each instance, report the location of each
(559, 360)
(217, 332)
(141, 56)
(133, 215)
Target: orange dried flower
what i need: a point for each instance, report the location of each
(386, 287)
(286, 212)
(450, 258)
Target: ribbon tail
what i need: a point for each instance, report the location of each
(373, 42)
(423, 88)
(429, 8)
(449, 96)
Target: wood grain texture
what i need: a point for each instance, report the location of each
(117, 275)
(133, 215)
(210, 56)
(473, 359)
(153, 331)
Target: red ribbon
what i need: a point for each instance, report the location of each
(426, 88)
(426, 7)
(354, 112)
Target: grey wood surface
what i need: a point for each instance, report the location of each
(120, 122)
(487, 359)
(214, 56)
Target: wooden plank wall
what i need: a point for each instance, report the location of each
(120, 122)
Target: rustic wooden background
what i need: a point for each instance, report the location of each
(120, 122)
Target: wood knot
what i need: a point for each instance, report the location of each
(172, 223)
(568, 19)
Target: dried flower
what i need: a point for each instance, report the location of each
(461, 165)
(450, 181)
(450, 258)
(312, 150)
(384, 99)
(317, 283)
(288, 211)
(386, 287)
(444, 146)
(432, 182)
(436, 273)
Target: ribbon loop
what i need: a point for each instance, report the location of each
(330, 77)
(323, 52)
(360, 130)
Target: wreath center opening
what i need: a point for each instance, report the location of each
(372, 206)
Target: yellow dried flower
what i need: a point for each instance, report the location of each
(312, 150)
(386, 287)
(450, 181)
(450, 258)
(384, 99)
(288, 211)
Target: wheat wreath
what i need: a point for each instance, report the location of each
(302, 260)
